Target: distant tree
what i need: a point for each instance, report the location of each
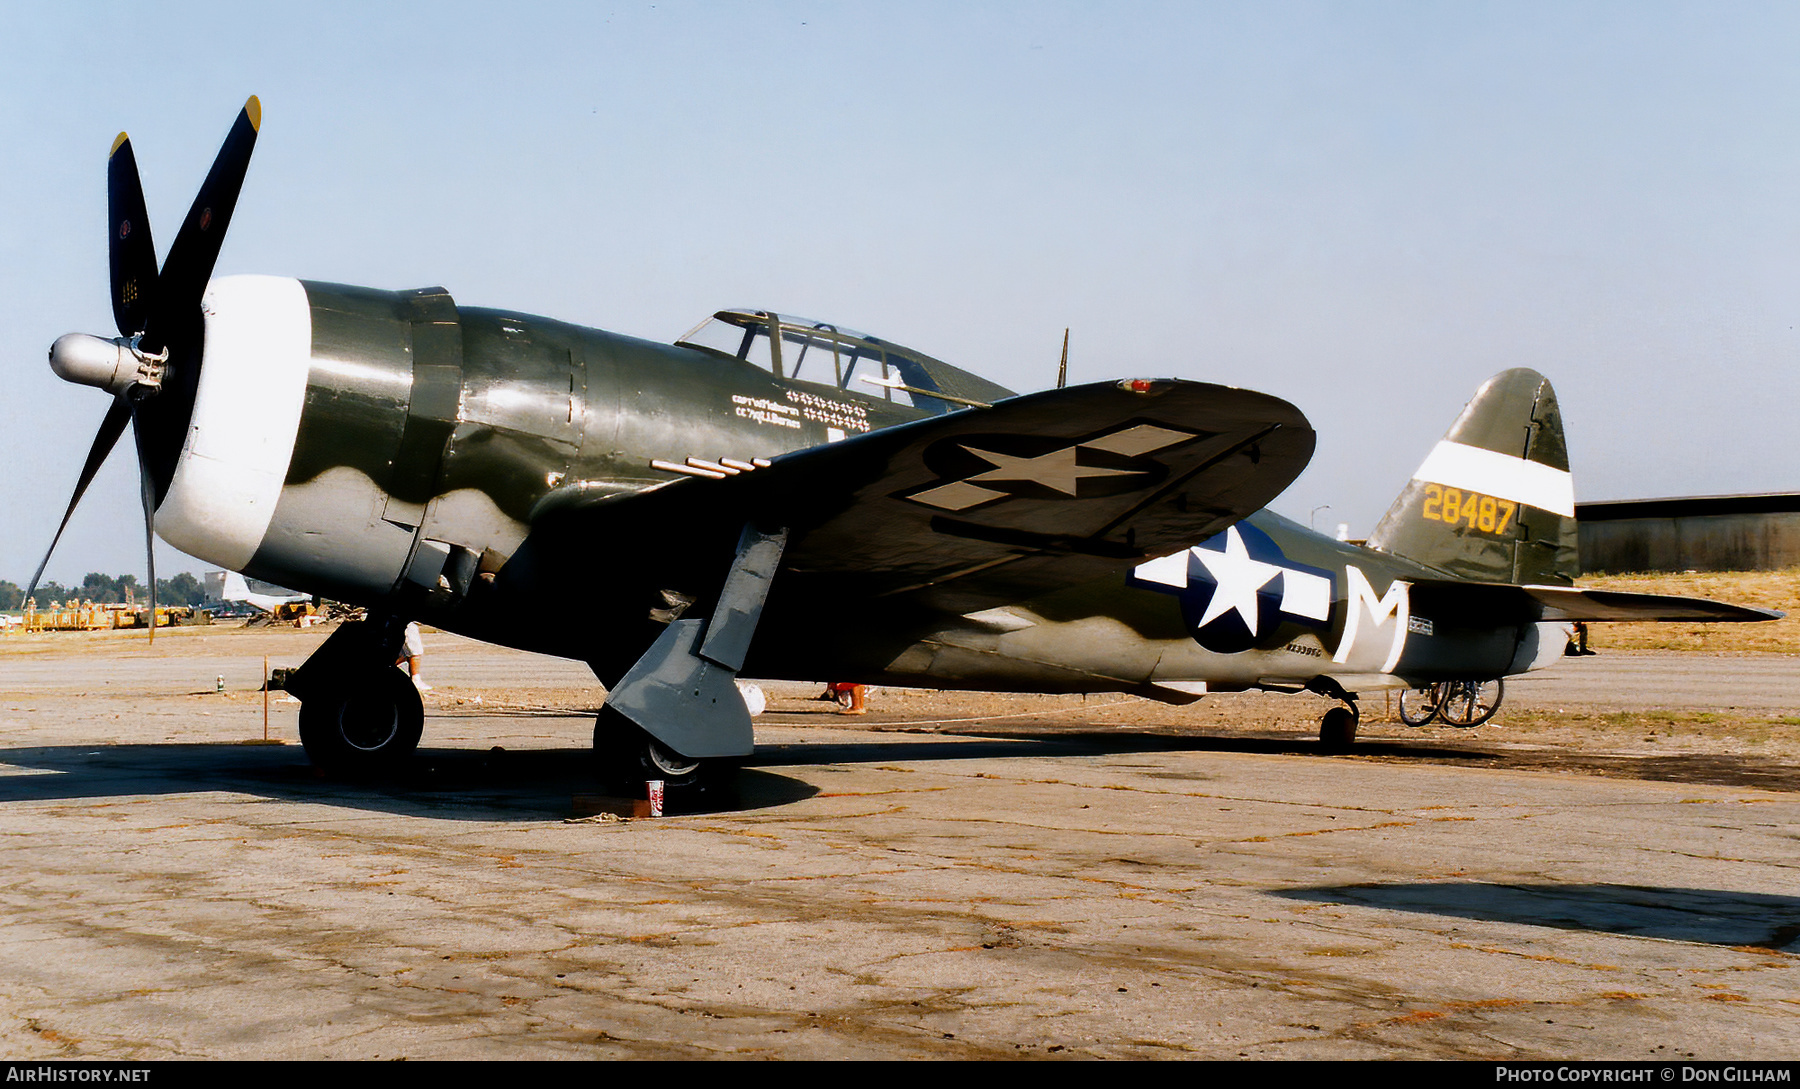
(182, 589)
(47, 592)
(99, 587)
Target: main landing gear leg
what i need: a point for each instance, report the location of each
(677, 715)
(1337, 729)
(358, 714)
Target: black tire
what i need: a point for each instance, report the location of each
(1418, 706)
(629, 757)
(1337, 730)
(1470, 703)
(369, 725)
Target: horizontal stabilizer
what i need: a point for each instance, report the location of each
(1568, 603)
(1479, 604)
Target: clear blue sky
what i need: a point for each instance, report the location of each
(1366, 208)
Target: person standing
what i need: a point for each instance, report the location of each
(412, 652)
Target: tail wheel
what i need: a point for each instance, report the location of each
(368, 725)
(1470, 703)
(1418, 706)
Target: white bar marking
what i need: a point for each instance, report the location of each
(1304, 594)
(1134, 441)
(957, 495)
(1455, 465)
(1166, 570)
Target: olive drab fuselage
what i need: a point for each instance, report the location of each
(429, 435)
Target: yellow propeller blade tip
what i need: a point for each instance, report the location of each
(117, 142)
(253, 109)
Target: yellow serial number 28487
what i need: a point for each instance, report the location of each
(1482, 512)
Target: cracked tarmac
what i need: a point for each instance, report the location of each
(1056, 883)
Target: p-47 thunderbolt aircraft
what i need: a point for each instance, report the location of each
(784, 498)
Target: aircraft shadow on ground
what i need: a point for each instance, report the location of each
(976, 744)
(1711, 916)
(539, 784)
(533, 784)
(454, 784)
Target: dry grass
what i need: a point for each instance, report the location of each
(1726, 730)
(1769, 589)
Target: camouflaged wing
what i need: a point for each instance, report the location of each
(965, 511)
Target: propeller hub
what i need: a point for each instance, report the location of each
(114, 365)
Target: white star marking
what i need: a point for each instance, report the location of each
(1239, 578)
(1056, 470)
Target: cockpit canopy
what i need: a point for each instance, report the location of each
(830, 355)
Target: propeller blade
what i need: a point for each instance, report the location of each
(177, 325)
(196, 245)
(111, 426)
(148, 492)
(131, 253)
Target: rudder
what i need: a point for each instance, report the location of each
(1494, 501)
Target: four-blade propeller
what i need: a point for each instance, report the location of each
(152, 368)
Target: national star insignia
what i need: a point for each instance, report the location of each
(1056, 470)
(1239, 578)
(1228, 583)
(1059, 470)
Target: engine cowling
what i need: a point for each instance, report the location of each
(342, 441)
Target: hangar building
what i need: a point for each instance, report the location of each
(1691, 533)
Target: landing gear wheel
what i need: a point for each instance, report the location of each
(1470, 703)
(368, 725)
(1418, 706)
(629, 757)
(1337, 729)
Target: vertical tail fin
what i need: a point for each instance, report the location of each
(1494, 500)
(234, 587)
